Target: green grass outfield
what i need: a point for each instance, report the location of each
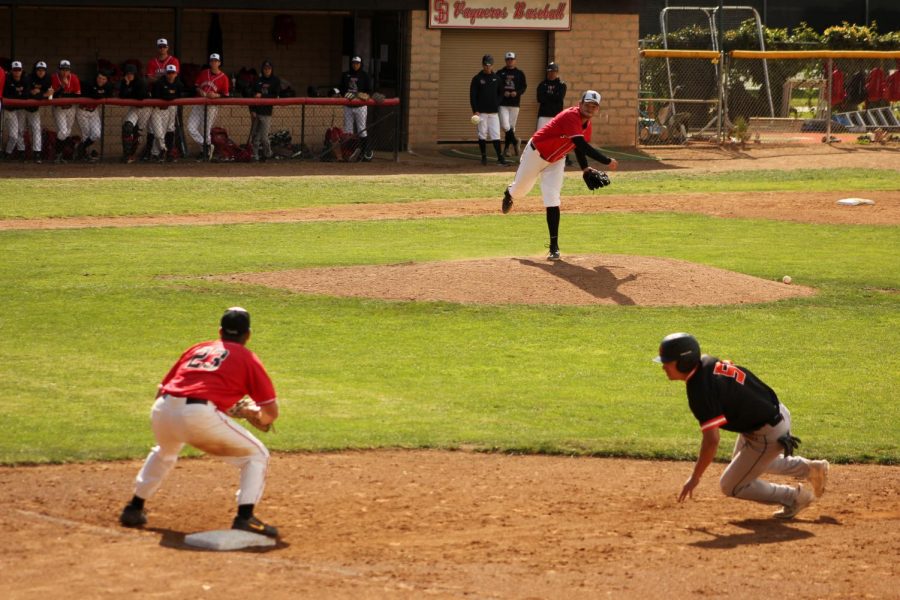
(93, 318)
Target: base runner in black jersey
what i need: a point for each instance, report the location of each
(722, 395)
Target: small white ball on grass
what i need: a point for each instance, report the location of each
(786, 279)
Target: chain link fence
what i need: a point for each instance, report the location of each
(222, 130)
(769, 97)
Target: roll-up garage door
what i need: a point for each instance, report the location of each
(461, 53)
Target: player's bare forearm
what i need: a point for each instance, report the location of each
(708, 448)
(268, 413)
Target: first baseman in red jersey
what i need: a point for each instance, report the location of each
(190, 408)
(544, 156)
(211, 83)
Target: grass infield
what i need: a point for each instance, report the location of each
(93, 318)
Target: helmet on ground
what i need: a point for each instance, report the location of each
(681, 347)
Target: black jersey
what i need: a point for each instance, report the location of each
(97, 91)
(266, 87)
(164, 90)
(512, 80)
(15, 90)
(485, 93)
(136, 89)
(355, 82)
(551, 97)
(36, 87)
(721, 394)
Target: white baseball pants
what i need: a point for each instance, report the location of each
(532, 166)
(489, 127)
(543, 121)
(139, 117)
(89, 123)
(14, 125)
(34, 126)
(162, 120)
(65, 119)
(509, 116)
(176, 423)
(760, 452)
(195, 123)
(355, 120)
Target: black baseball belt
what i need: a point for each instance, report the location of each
(195, 401)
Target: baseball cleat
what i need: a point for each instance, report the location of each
(483, 159)
(502, 161)
(507, 202)
(804, 498)
(553, 254)
(133, 517)
(818, 476)
(254, 525)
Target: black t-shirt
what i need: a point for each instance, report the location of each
(485, 93)
(721, 394)
(512, 80)
(136, 90)
(551, 95)
(165, 90)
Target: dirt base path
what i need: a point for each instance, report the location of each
(430, 524)
(799, 207)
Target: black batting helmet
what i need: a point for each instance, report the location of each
(681, 347)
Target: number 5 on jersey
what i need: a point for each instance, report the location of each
(727, 369)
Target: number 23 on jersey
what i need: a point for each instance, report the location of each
(207, 360)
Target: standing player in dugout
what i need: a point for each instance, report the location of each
(485, 92)
(544, 157)
(513, 81)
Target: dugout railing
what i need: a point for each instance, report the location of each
(768, 97)
(311, 129)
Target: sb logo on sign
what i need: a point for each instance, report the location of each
(441, 12)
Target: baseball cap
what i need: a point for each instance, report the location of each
(130, 68)
(40, 65)
(510, 55)
(171, 69)
(356, 59)
(162, 42)
(16, 65)
(235, 321)
(591, 96)
(64, 64)
(487, 59)
(215, 56)
(553, 67)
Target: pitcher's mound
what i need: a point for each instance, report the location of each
(577, 279)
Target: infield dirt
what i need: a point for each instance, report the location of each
(436, 524)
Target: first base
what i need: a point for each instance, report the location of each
(227, 539)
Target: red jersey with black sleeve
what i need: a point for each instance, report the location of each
(69, 89)
(156, 68)
(554, 140)
(220, 371)
(724, 395)
(207, 82)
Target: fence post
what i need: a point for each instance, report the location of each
(722, 99)
(102, 128)
(828, 100)
(302, 124)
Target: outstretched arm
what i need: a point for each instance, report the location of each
(584, 150)
(708, 448)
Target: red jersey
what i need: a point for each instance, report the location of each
(207, 81)
(219, 371)
(73, 88)
(157, 68)
(554, 140)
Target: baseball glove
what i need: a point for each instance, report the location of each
(595, 179)
(362, 96)
(247, 409)
(350, 95)
(378, 97)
